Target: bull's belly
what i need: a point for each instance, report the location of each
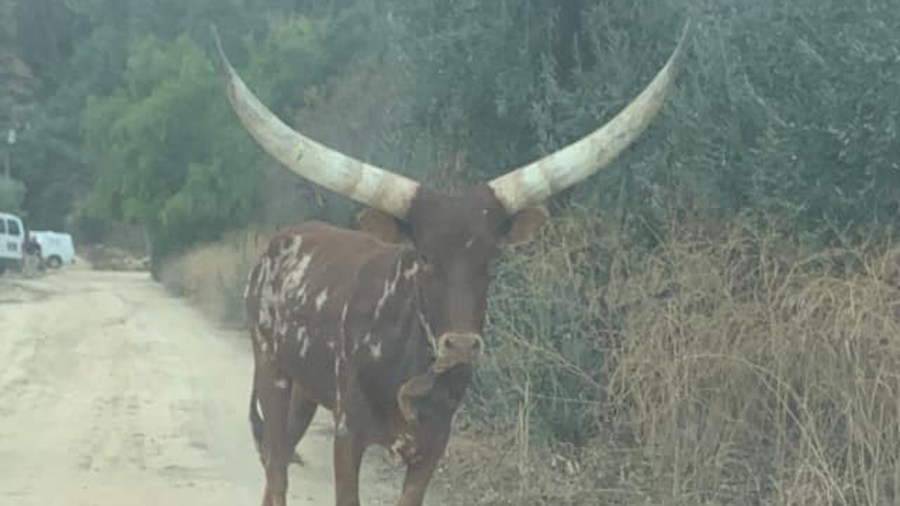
(314, 372)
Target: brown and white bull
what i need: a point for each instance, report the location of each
(382, 326)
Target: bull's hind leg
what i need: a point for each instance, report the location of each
(348, 452)
(301, 414)
(303, 409)
(274, 392)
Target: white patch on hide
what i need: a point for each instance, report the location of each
(341, 426)
(343, 336)
(301, 295)
(375, 349)
(301, 334)
(303, 341)
(293, 248)
(413, 269)
(390, 286)
(297, 273)
(321, 298)
(304, 347)
(259, 409)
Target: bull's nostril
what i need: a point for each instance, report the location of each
(449, 344)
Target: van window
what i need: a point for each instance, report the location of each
(2, 227)
(14, 228)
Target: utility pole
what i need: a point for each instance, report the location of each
(10, 140)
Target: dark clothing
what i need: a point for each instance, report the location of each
(31, 247)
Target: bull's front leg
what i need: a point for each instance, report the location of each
(431, 444)
(350, 420)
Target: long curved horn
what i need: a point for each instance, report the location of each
(364, 183)
(538, 180)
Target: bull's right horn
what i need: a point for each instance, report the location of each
(364, 183)
(536, 181)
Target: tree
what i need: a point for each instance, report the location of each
(168, 157)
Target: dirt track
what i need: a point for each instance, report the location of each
(114, 393)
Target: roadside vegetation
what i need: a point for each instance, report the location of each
(727, 364)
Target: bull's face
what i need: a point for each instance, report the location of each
(456, 239)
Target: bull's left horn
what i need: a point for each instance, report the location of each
(364, 183)
(535, 182)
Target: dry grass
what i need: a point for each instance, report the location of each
(728, 368)
(734, 370)
(213, 275)
(109, 258)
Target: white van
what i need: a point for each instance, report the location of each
(12, 237)
(56, 247)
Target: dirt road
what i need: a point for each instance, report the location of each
(114, 393)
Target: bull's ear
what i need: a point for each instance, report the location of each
(526, 223)
(381, 225)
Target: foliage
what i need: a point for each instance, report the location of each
(168, 159)
(796, 108)
(12, 193)
(774, 110)
(170, 155)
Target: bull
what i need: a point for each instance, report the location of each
(382, 326)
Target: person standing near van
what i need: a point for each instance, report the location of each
(32, 253)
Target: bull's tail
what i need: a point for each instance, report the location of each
(257, 425)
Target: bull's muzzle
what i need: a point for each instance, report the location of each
(455, 348)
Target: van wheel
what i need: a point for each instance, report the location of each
(54, 262)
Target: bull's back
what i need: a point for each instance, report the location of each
(314, 260)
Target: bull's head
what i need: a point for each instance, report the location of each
(456, 238)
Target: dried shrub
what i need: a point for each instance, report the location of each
(213, 275)
(732, 369)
